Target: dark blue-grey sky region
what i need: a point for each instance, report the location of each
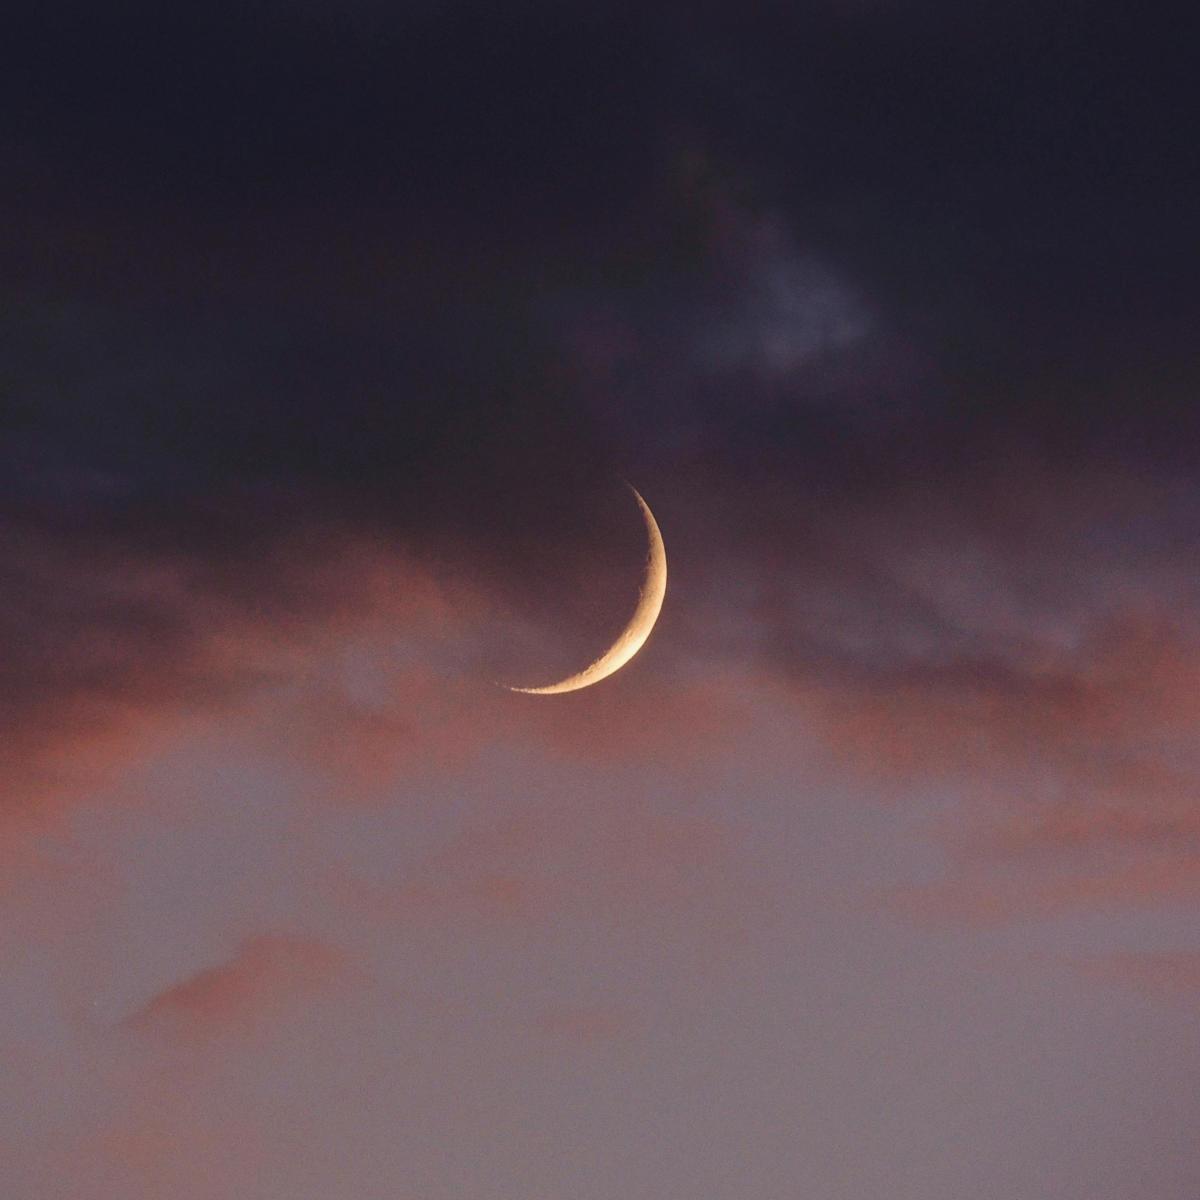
(328, 334)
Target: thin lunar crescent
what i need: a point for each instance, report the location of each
(649, 605)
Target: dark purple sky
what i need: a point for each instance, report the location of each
(329, 333)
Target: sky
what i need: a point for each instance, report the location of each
(329, 334)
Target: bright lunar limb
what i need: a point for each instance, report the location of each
(649, 605)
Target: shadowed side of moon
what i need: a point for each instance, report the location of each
(633, 637)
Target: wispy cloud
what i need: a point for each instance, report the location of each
(1161, 974)
(265, 975)
(586, 1024)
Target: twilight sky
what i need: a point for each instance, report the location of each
(329, 332)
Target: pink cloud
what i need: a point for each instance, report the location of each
(601, 862)
(1157, 974)
(426, 722)
(588, 1024)
(1027, 890)
(265, 975)
(118, 653)
(1076, 780)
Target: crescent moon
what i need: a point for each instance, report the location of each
(633, 638)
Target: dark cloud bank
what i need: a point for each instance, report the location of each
(869, 298)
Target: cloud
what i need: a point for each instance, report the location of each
(115, 650)
(1036, 890)
(265, 976)
(609, 862)
(915, 477)
(585, 1024)
(780, 309)
(1160, 974)
(1017, 657)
